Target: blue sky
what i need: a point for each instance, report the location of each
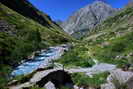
(61, 9)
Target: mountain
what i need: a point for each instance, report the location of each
(111, 41)
(28, 10)
(87, 18)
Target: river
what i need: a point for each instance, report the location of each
(41, 61)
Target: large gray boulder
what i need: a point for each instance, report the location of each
(108, 86)
(119, 79)
(130, 83)
(87, 18)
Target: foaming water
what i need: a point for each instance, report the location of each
(42, 60)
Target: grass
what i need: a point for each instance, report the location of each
(120, 46)
(80, 79)
(77, 57)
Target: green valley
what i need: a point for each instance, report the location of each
(101, 57)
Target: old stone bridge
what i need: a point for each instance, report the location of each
(58, 77)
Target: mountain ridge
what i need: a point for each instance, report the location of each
(87, 18)
(25, 8)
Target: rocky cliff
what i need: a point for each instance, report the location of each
(87, 18)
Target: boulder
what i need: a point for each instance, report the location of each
(119, 75)
(49, 85)
(119, 78)
(129, 83)
(108, 86)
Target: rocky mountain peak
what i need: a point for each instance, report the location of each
(87, 18)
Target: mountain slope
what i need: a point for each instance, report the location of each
(21, 36)
(28, 10)
(87, 18)
(112, 40)
(19, 25)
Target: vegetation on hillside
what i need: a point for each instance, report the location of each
(77, 57)
(20, 36)
(110, 42)
(80, 79)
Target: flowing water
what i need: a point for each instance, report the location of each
(40, 61)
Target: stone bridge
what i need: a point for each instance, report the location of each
(58, 77)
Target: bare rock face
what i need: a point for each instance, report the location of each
(87, 18)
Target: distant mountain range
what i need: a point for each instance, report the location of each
(87, 18)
